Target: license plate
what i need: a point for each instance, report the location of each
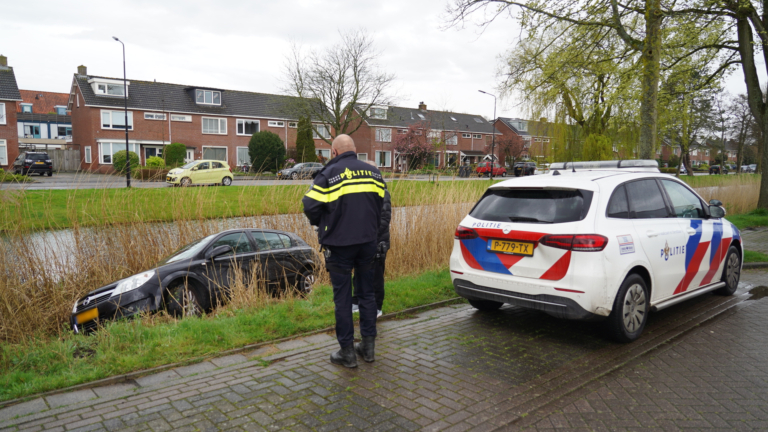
(38, 163)
(86, 316)
(510, 247)
(167, 179)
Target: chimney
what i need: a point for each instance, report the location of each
(82, 70)
(422, 106)
(3, 60)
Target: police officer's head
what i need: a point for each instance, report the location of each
(342, 144)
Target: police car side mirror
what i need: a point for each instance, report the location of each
(715, 211)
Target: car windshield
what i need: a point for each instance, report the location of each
(189, 165)
(187, 251)
(533, 205)
(37, 156)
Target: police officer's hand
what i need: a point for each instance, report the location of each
(382, 248)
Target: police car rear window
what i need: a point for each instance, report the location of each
(533, 205)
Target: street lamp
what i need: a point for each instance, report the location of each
(125, 99)
(493, 134)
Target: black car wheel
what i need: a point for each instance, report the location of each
(295, 176)
(731, 272)
(50, 173)
(485, 305)
(630, 310)
(306, 282)
(183, 299)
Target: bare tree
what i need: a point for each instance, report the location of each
(742, 117)
(338, 86)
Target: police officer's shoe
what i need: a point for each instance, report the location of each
(365, 348)
(345, 357)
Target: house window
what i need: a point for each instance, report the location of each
(451, 139)
(154, 116)
(537, 139)
(3, 152)
(324, 154)
(402, 131)
(436, 159)
(322, 132)
(273, 123)
(706, 152)
(2, 113)
(110, 89)
(546, 140)
(88, 158)
(116, 120)
(466, 135)
(106, 150)
(694, 152)
(26, 108)
(181, 118)
(478, 120)
(247, 127)
(378, 113)
(383, 135)
(208, 97)
(421, 116)
(362, 156)
(31, 131)
(216, 126)
(243, 158)
(61, 110)
(615, 149)
(64, 131)
(383, 159)
(293, 125)
(477, 136)
(433, 135)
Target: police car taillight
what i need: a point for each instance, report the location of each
(464, 233)
(579, 242)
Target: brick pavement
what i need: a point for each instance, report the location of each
(756, 239)
(455, 368)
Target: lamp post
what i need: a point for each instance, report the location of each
(125, 99)
(493, 134)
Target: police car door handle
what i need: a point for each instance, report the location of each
(651, 233)
(690, 231)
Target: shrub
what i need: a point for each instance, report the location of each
(156, 162)
(305, 143)
(174, 154)
(266, 151)
(118, 161)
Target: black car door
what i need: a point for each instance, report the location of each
(276, 266)
(233, 267)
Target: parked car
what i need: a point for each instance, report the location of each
(30, 162)
(716, 169)
(306, 170)
(683, 170)
(200, 172)
(745, 169)
(197, 277)
(524, 169)
(753, 168)
(595, 244)
(484, 169)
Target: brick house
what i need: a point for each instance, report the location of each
(458, 138)
(9, 95)
(42, 120)
(536, 141)
(212, 123)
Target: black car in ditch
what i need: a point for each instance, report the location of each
(199, 275)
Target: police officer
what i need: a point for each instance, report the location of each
(345, 204)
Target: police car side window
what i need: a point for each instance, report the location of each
(687, 205)
(645, 200)
(618, 206)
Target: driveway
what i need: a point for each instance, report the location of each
(698, 365)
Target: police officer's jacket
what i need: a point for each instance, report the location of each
(345, 201)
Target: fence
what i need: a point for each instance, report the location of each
(65, 159)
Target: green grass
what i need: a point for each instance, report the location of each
(56, 209)
(752, 256)
(130, 345)
(755, 218)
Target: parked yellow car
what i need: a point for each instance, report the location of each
(201, 172)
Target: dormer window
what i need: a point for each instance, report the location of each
(208, 97)
(61, 110)
(26, 108)
(108, 87)
(378, 113)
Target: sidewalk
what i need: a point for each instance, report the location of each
(756, 239)
(455, 368)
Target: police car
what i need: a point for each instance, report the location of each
(610, 240)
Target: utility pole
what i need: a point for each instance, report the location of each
(125, 99)
(493, 133)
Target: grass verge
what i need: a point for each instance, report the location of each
(44, 364)
(752, 256)
(755, 218)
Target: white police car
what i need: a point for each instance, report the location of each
(609, 240)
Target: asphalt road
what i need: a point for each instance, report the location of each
(699, 365)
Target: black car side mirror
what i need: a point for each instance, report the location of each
(715, 211)
(715, 202)
(218, 251)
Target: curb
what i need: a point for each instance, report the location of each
(116, 379)
(755, 265)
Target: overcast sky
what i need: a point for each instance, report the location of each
(242, 45)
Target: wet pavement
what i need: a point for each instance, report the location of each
(755, 239)
(700, 364)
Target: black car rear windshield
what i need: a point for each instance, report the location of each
(533, 205)
(37, 156)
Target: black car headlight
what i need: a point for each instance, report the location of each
(133, 282)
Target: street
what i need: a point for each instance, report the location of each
(699, 365)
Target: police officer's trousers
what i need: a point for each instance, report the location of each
(340, 262)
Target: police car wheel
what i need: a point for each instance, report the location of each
(485, 305)
(731, 272)
(630, 310)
